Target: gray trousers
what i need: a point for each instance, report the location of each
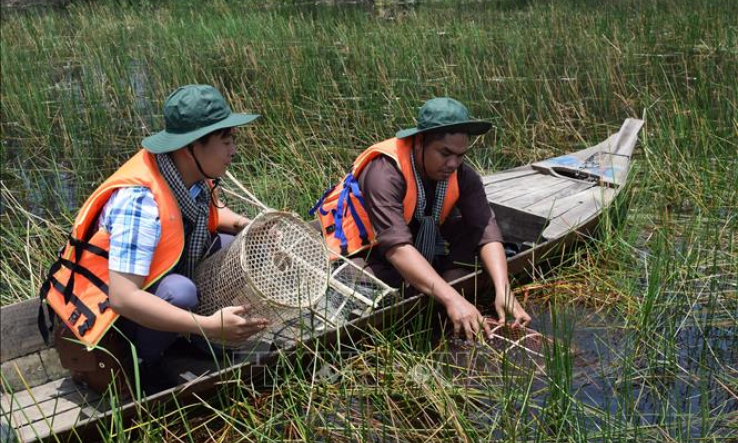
(176, 290)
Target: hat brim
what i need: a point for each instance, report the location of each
(471, 127)
(164, 141)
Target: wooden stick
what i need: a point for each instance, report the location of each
(255, 200)
(343, 289)
(239, 196)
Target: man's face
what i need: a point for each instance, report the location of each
(216, 155)
(441, 156)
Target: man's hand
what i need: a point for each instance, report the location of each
(466, 318)
(229, 324)
(505, 302)
(493, 257)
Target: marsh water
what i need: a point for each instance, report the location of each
(609, 370)
(644, 347)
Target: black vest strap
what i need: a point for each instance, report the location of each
(77, 243)
(80, 308)
(45, 327)
(68, 289)
(86, 273)
(74, 317)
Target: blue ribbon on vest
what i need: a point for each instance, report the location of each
(319, 204)
(344, 203)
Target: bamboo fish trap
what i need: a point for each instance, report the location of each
(280, 266)
(276, 264)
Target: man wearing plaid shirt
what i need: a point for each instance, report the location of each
(158, 233)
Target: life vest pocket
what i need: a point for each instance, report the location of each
(343, 218)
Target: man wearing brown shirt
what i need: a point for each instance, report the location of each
(446, 221)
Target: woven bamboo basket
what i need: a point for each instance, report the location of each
(277, 264)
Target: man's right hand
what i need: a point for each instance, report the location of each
(231, 325)
(466, 318)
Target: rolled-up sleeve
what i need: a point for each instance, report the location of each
(383, 187)
(131, 216)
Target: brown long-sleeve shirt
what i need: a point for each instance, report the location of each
(471, 225)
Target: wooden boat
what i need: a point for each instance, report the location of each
(540, 208)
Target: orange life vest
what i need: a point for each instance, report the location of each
(341, 211)
(76, 287)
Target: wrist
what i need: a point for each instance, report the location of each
(240, 223)
(503, 291)
(447, 297)
(203, 325)
(506, 298)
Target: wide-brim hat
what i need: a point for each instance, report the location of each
(444, 114)
(191, 112)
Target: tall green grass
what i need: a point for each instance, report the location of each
(82, 85)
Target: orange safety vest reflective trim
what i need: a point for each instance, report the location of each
(343, 218)
(76, 287)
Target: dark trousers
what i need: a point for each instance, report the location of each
(462, 259)
(176, 290)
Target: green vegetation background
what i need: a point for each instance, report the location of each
(82, 85)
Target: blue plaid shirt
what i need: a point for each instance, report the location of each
(131, 216)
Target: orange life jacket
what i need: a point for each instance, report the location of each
(76, 287)
(341, 211)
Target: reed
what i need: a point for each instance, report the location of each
(643, 319)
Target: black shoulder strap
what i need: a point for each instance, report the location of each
(46, 327)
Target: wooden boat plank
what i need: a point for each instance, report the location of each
(500, 186)
(508, 175)
(555, 207)
(52, 389)
(87, 402)
(559, 194)
(586, 209)
(43, 429)
(52, 364)
(536, 194)
(55, 406)
(24, 371)
(515, 188)
(19, 330)
(32, 370)
(526, 180)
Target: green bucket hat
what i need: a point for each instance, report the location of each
(191, 112)
(445, 113)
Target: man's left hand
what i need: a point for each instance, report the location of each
(505, 302)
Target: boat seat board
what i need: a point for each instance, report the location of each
(587, 205)
(501, 191)
(518, 226)
(554, 207)
(32, 370)
(535, 189)
(19, 330)
(56, 405)
(556, 192)
(86, 402)
(48, 390)
(502, 176)
(26, 359)
(44, 429)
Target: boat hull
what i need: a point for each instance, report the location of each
(543, 209)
